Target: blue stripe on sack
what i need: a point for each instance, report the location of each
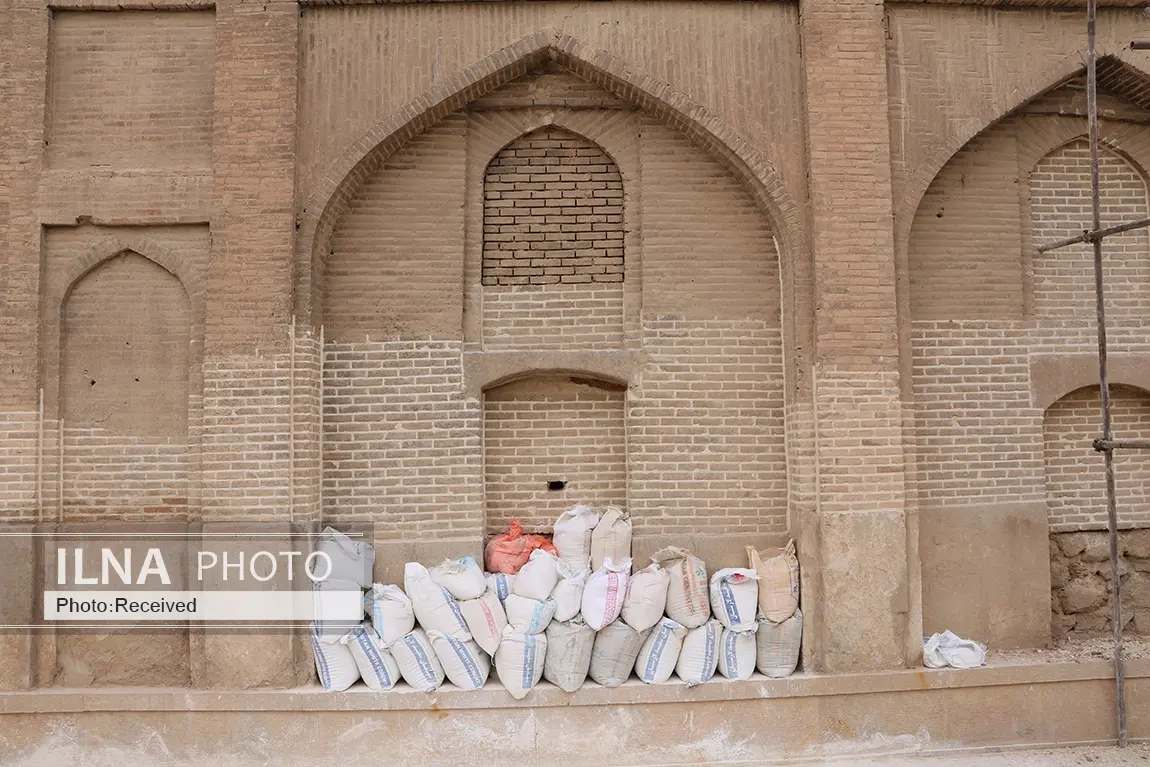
(377, 617)
(420, 657)
(374, 658)
(536, 617)
(501, 588)
(732, 656)
(528, 662)
(729, 602)
(656, 652)
(709, 655)
(468, 660)
(321, 663)
(454, 608)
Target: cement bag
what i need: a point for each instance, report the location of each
(390, 611)
(463, 662)
(699, 656)
(568, 592)
(334, 663)
(778, 582)
(462, 577)
(949, 649)
(646, 597)
(519, 661)
(351, 560)
(537, 578)
(434, 606)
(485, 620)
(688, 600)
(501, 584)
(528, 616)
(334, 629)
(417, 662)
(778, 645)
(735, 597)
(611, 538)
(507, 552)
(572, 536)
(376, 665)
(613, 656)
(604, 593)
(737, 652)
(660, 652)
(569, 648)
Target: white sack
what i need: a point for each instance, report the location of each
(568, 592)
(569, 648)
(519, 661)
(604, 593)
(485, 620)
(779, 582)
(434, 606)
(613, 656)
(737, 653)
(501, 584)
(376, 665)
(688, 599)
(463, 662)
(660, 652)
(528, 616)
(646, 597)
(572, 536)
(462, 577)
(332, 630)
(699, 656)
(778, 645)
(334, 663)
(390, 611)
(735, 597)
(537, 578)
(351, 560)
(949, 649)
(417, 662)
(611, 538)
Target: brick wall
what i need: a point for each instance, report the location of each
(543, 429)
(552, 269)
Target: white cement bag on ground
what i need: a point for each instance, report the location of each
(604, 593)
(334, 663)
(613, 656)
(660, 652)
(417, 662)
(777, 645)
(332, 630)
(463, 663)
(519, 661)
(462, 577)
(351, 560)
(485, 620)
(572, 536)
(699, 656)
(376, 665)
(949, 649)
(646, 597)
(528, 616)
(501, 584)
(568, 593)
(611, 538)
(390, 611)
(778, 582)
(688, 600)
(735, 597)
(537, 578)
(569, 648)
(434, 606)
(737, 653)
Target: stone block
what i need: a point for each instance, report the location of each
(391, 556)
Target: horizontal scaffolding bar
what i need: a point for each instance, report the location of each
(1097, 234)
(1102, 445)
(1140, 45)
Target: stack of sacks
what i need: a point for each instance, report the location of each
(780, 621)
(346, 567)
(461, 582)
(611, 538)
(734, 597)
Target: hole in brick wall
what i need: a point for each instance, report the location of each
(556, 484)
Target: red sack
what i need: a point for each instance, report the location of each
(507, 552)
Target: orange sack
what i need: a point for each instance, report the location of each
(507, 552)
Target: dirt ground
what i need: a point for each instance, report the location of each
(1088, 756)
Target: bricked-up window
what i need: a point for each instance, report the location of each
(1075, 485)
(552, 244)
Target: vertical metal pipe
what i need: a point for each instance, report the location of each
(1103, 384)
